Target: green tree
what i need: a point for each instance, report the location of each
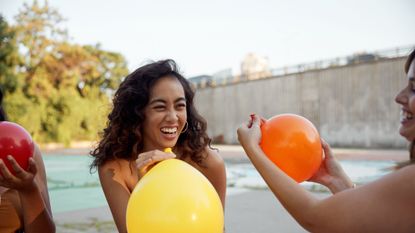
(61, 89)
(9, 57)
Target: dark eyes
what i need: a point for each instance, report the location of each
(159, 107)
(181, 105)
(162, 107)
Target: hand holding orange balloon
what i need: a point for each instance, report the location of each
(293, 144)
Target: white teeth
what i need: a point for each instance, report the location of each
(406, 115)
(169, 130)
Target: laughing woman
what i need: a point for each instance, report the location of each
(152, 110)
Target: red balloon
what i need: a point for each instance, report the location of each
(17, 142)
(293, 144)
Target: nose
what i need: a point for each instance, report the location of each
(401, 97)
(172, 115)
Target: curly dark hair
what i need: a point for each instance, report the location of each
(123, 137)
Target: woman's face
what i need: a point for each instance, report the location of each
(406, 98)
(165, 115)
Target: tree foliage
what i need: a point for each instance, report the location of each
(58, 90)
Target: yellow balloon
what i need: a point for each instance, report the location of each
(174, 197)
(168, 150)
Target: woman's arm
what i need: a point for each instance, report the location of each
(382, 206)
(292, 196)
(32, 188)
(116, 191)
(216, 173)
(114, 176)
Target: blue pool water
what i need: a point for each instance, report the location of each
(70, 184)
(361, 172)
(72, 187)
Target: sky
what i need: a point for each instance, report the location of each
(207, 36)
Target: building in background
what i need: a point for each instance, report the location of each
(221, 77)
(201, 81)
(362, 57)
(254, 67)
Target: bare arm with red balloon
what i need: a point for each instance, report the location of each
(31, 187)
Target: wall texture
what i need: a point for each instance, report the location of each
(351, 106)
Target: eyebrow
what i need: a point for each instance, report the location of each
(163, 101)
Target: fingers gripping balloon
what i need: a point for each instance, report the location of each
(17, 142)
(174, 197)
(293, 144)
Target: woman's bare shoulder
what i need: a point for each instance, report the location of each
(407, 175)
(114, 164)
(113, 169)
(118, 170)
(212, 157)
(399, 184)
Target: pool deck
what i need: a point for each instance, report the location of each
(248, 211)
(255, 211)
(235, 153)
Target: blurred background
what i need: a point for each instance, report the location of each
(337, 63)
(62, 60)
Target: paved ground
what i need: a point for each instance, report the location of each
(258, 211)
(255, 211)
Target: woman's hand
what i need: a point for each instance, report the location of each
(21, 180)
(249, 133)
(147, 160)
(330, 173)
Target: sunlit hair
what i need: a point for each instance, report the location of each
(408, 62)
(123, 136)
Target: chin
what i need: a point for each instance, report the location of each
(169, 144)
(407, 136)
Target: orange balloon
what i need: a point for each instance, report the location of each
(293, 144)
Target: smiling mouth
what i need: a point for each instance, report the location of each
(169, 130)
(406, 116)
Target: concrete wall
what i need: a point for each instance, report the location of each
(351, 106)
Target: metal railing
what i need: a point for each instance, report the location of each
(358, 58)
